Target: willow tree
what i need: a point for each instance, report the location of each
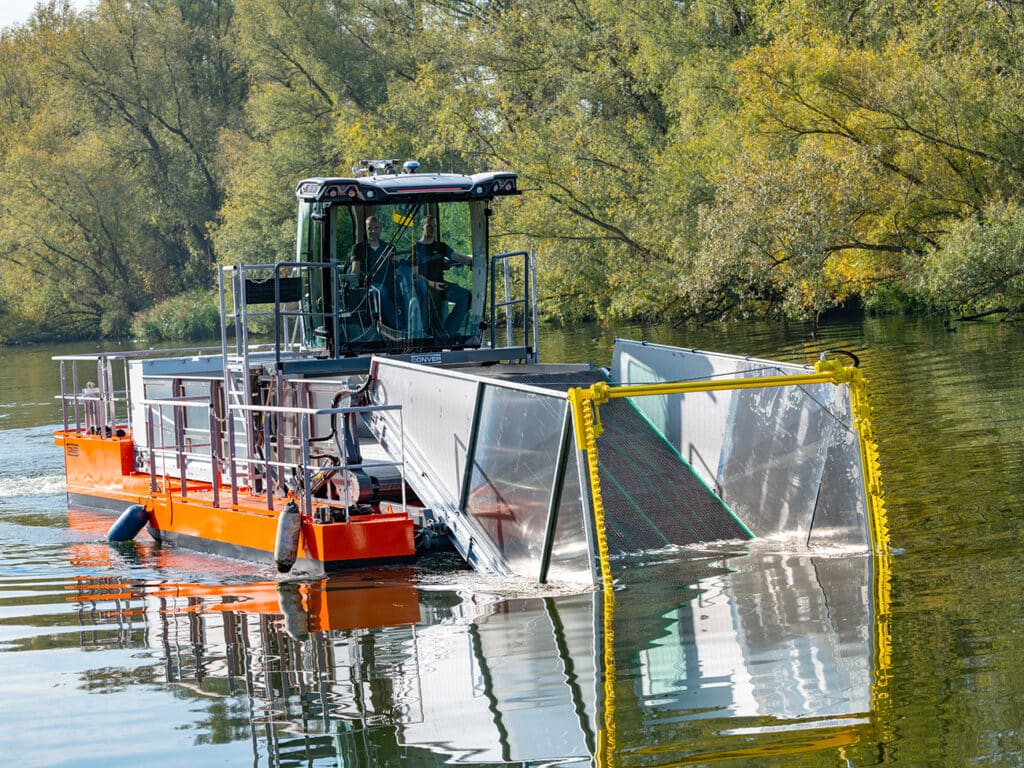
(320, 74)
(867, 140)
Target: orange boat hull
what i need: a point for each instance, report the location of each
(101, 475)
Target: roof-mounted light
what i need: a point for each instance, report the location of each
(410, 166)
(504, 186)
(333, 191)
(376, 167)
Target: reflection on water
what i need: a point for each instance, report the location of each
(716, 653)
(774, 654)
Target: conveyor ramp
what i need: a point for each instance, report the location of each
(687, 447)
(652, 498)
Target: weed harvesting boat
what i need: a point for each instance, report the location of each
(401, 407)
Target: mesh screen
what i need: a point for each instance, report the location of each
(652, 498)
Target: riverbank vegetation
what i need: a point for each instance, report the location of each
(680, 161)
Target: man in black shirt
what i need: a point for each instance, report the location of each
(432, 258)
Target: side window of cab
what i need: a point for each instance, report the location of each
(343, 231)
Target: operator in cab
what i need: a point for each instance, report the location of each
(431, 258)
(373, 261)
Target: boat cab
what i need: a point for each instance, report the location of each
(394, 263)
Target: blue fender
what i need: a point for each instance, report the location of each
(128, 525)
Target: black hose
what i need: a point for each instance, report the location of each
(844, 353)
(338, 396)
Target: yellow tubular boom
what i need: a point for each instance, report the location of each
(584, 412)
(587, 423)
(826, 372)
(879, 531)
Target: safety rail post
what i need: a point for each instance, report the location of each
(110, 396)
(223, 312)
(307, 492)
(277, 383)
(150, 436)
(534, 340)
(277, 318)
(179, 446)
(555, 497)
(266, 464)
(509, 339)
(98, 406)
(474, 430)
(97, 409)
(250, 431)
(96, 401)
(214, 458)
(278, 331)
(401, 455)
(226, 368)
(64, 394)
(76, 390)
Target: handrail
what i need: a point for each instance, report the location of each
(98, 401)
(509, 303)
(183, 457)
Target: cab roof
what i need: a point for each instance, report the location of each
(403, 187)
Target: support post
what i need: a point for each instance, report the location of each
(555, 499)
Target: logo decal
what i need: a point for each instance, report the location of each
(434, 357)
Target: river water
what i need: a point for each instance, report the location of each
(134, 654)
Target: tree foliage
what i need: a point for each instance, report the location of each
(694, 160)
(109, 159)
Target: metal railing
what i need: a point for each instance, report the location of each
(93, 402)
(180, 452)
(525, 303)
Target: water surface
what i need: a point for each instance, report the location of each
(758, 655)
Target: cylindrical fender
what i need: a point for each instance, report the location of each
(128, 525)
(289, 527)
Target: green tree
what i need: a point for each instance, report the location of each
(110, 175)
(320, 74)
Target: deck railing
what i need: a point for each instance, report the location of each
(189, 446)
(98, 400)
